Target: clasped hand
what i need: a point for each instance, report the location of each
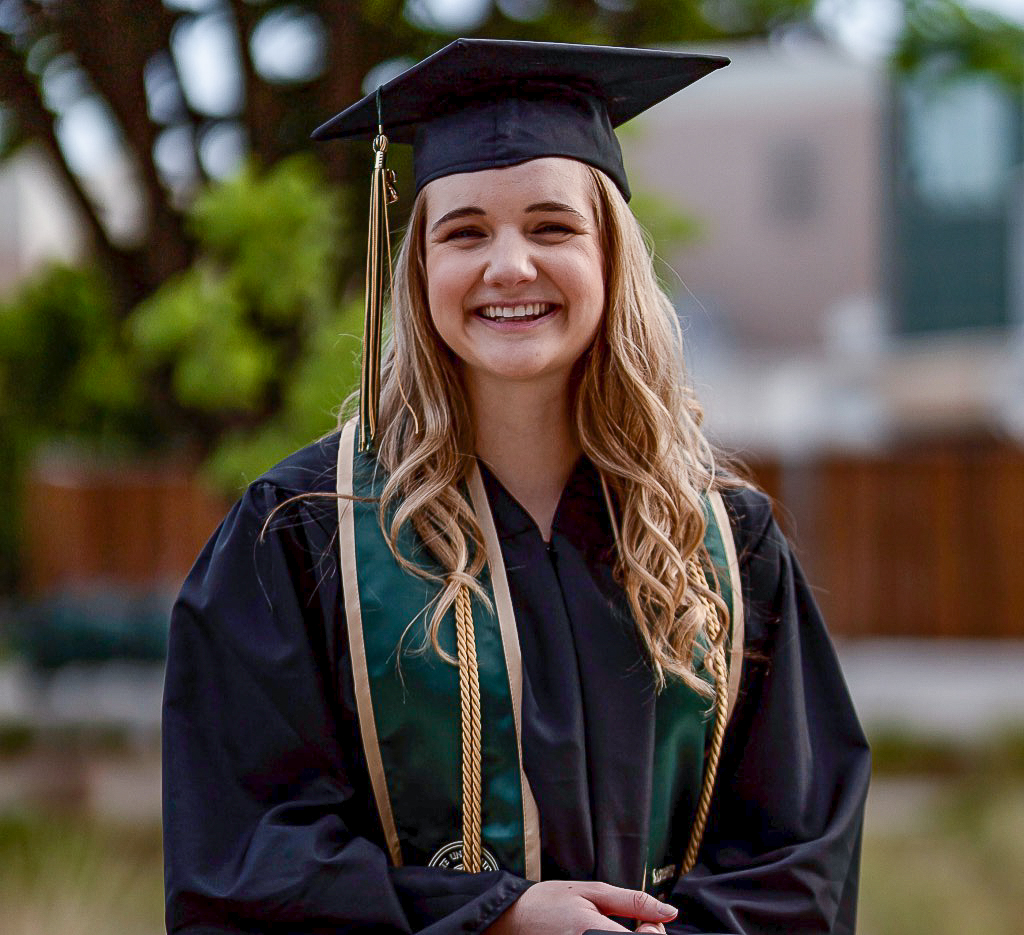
(563, 907)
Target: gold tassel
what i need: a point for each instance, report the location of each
(378, 250)
(472, 757)
(716, 662)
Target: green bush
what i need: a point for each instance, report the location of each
(240, 359)
(251, 336)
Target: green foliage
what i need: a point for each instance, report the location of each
(199, 324)
(7, 135)
(233, 322)
(275, 236)
(896, 752)
(249, 334)
(64, 365)
(242, 357)
(321, 382)
(947, 37)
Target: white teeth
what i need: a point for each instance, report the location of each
(505, 312)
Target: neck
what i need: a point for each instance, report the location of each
(525, 436)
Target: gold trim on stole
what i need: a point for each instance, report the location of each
(736, 611)
(513, 661)
(356, 646)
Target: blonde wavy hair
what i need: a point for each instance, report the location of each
(636, 418)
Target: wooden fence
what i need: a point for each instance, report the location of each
(925, 540)
(131, 524)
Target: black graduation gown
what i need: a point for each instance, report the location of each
(269, 822)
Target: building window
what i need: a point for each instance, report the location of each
(960, 143)
(794, 182)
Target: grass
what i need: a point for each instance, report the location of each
(954, 869)
(898, 752)
(78, 876)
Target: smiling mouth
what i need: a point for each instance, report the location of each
(531, 311)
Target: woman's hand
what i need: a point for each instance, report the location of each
(563, 907)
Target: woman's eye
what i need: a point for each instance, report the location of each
(464, 233)
(554, 228)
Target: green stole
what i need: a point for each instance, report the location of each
(408, 701)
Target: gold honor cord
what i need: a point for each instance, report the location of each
(378, 252)
(472, 767)
(716, 636)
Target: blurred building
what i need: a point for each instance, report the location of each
(777, 156)
(854, 312)
(860, 270)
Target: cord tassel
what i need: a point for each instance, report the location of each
(470, 718)
(378, 252)
(717, 664)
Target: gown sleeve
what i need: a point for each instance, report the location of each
(269, 825)
(781, 852)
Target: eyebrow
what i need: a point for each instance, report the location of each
(558, 206)
(474, 211)
(469, 211)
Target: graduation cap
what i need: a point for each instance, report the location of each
(489, 103)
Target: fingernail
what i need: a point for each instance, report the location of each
(664, 909)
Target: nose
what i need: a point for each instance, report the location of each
(510, 261)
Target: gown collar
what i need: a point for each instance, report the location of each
(581, 515)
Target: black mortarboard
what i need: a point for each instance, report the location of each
(488, 103)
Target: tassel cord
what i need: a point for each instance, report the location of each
(378, 252)
(716, 663)
(469, 699)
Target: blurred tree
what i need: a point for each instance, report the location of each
(248, 347)
(221, 346)
(85, 382)
(950, 39)
(238, 359)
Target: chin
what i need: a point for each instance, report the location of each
(521, 371)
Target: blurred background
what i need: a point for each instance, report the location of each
(840, 220)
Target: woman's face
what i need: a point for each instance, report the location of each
(515, 274)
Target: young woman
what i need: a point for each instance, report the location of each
(511, 655)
